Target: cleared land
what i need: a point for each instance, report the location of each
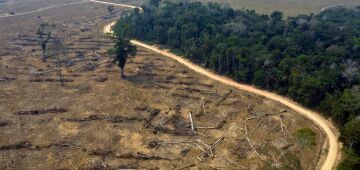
(7, 6)
(95, 122)
(289, 7)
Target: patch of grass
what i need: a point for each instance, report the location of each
(280, 159)
(305, 137)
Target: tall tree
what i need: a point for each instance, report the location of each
(123, 48)
(60, 52)
(155, 3)
(351, 133)
(44, 34)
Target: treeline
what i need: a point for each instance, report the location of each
(313, 59)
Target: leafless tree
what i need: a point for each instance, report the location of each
(60, 53)
(3, 44)
(110, 10)
(351, 70)
(44, 34)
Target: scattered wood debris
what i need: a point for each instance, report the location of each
(86, 67)
(266, 114)
(209, 151)
(28, 145)
(100, 78)
(155, 143)
(184, 151)
(282, 124)
(252, 146)
(39, 112)
(50, 80)
(6, 78)
(255, 128)
(142, 156)
(102, 153)
(153, 114)
(3, 123)
(236, 164)
(111, 119)
(224, 97)
(203, 105)
(192, 123)
(186, 167)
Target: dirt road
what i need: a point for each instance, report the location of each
(116, 4)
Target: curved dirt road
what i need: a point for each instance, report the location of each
(327, 127)
(116, 4)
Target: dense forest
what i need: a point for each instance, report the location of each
(313, 59)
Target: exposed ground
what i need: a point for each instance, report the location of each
(289, 7)
(98, 120)
(15, 6)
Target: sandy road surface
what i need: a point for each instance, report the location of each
(115, 4)
(333, 150)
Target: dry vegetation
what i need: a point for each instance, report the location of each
(142, 121)
(288, 7)
(7, 6)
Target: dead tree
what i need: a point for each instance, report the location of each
(247, 137)
(44, 34)
(60, 52)
(209, 151)
(203, 105)
(224, 97)
(231, 161)
(351, 71)
(282, 124)
(110, 10)
(267, 114)
(192, 123)
(186, 167)
(3, 44)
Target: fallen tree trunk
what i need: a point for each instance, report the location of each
(266, 114)
(142, 156)
(39, 112)
(224, 97)
(50, 80)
